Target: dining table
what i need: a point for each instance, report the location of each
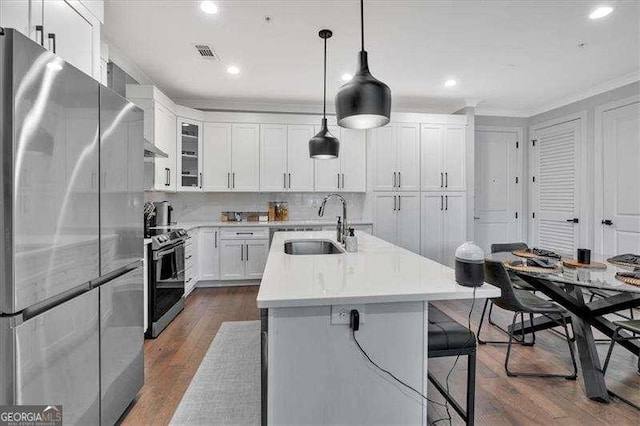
(568, 287)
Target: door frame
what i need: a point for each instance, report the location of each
(585, 237)
(519, 131)
(598, 167)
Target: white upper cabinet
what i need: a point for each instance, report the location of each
(443, 157)
(216, 147)
(300, 167)
(347, 173)
(273, 157)
(189, 155)
(396, 157)
(245, 157)
(165, 130)
(68, 28)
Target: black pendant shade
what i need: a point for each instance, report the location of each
(324, 146)
(363, 102)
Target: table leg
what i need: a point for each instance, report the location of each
(594, 383)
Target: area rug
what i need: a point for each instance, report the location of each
(226, 387)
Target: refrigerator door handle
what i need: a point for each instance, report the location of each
(115, 274)
(40, 29)
(52, 38)
(52, 302)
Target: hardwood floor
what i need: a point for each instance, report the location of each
(172, 359)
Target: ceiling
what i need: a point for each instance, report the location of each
(513, 57)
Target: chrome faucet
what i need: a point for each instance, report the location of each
(342, 226)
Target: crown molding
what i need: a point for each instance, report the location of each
(497, 112)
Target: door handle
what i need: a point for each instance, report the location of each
(52, 38)
(574, 220)
(607, 222)
(476, 217)
(441, 180)
(446, 179)
(40, 29)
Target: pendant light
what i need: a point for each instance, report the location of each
(363, 102)
(324, 146)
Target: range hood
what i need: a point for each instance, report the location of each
(150, 150)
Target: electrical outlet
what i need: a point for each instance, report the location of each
(340, 314)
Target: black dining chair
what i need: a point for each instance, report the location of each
(632, 326)
(517, 282)
(522, 302)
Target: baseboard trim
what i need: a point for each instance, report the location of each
(235, 283)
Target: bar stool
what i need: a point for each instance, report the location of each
(632, 326)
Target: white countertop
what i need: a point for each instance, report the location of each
(147, 241)
(379, 272)
(290, 223)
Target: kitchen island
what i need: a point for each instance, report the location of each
(314, 371)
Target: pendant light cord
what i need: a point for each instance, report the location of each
(362, 25)
(324, 82)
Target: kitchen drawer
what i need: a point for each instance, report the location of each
(188, 251)
(244, 234)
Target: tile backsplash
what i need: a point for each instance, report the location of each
(193, 207)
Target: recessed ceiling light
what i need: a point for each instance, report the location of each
(185, 124)
(450, 83)
(209, 7)
(233, 70)
(347, 77)
(601, 12)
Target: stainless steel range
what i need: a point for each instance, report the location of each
(166, 278)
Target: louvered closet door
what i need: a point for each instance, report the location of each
(621, 141)
(556, 187)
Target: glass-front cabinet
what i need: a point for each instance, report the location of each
(189, 154)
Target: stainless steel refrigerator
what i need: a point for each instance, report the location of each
(71, 284)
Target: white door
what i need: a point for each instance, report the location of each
(383, 142)
(455, 225)
(432, 225)
(232, 263)
(384, 216)
(256, 252)
(208, 255)
(408, 157)
(454, 158)
(70, 32)
(245, 157)
(327, 172)
(216, 164)
(408, 221)
(165, 139)
(354, 160)
(621, 140)
(299, 164)
(496, 188)
(15, 14)
(273, 157)
(555, 190)
(431, 141)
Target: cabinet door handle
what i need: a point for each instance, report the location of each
(446, 179)
(441, 203)
(229, 180)
(233, 180)
(399, 180)
(399, 202)
(394, 179)
(242, 253)
(289, 180)
(52, 38)
(284, 181)
(247, 256)
(40, 29)
(607, 222)
(200, 180)
(394, 203)
(166, 176)
(446, 202)
(441, 180)
(338, 180)
(343, 181)
(215, 241)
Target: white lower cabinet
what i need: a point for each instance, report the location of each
(189, 269)
(208, 255)
(243, 253)
(443, 225)
(397, 219)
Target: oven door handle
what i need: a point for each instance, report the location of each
(162, 254)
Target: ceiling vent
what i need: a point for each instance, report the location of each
(206, 52)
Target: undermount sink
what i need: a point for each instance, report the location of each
(311, 247)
